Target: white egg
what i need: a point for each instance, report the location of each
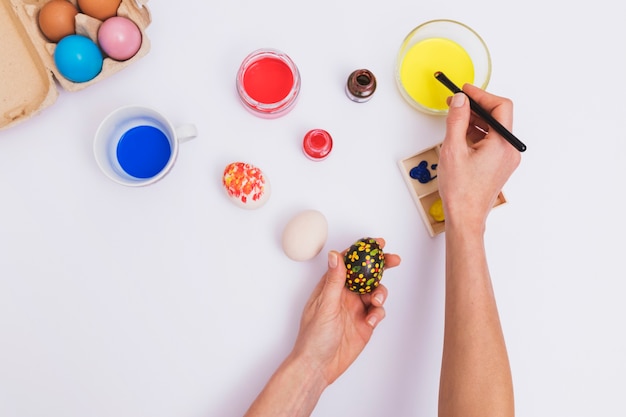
(305, 235)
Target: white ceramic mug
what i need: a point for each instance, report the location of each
(119, 123)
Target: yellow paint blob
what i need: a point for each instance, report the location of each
(436, 210)
(425, 58)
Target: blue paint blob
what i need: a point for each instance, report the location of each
(143, 151)
(421, 172)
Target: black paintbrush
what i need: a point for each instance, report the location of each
(482, 113)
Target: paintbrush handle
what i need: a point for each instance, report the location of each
(483, 114)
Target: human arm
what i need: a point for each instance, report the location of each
(335, 327)
(475, 372)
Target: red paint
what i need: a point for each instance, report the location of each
(317, 144)
(268, 80)
(268, 83)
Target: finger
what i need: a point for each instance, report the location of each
(392, 260)
(375, 316)
(457, 122)
(379, 296)
(499, 107)
(476, 123)
(376, 298)
(335, 277)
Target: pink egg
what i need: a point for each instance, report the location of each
(119, 38)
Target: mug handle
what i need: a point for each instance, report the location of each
(186, 132)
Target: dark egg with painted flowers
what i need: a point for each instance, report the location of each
(365, 262)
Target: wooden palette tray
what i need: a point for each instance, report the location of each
(425, 194)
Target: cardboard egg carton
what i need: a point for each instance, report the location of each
(425, 194)
(27, 69)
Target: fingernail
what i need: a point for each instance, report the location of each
(332, 260)
(458, 100)
(380, 298)
(372, 321)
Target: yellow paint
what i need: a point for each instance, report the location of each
(436, 210)
(425, 58)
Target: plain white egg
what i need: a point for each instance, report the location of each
(305, 235)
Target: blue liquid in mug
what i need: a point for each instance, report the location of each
(143, 151)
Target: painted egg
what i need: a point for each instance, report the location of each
(119, 37)
(305, 235)
(365, 263)
(78, 58)
(246, 185)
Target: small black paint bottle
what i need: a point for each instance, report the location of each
(361, 85)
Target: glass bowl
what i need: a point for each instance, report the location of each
(440, 45)
(268, 83)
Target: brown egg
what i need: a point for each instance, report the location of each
(56, 19)
(100, 9)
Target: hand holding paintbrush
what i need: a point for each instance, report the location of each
(482, 113)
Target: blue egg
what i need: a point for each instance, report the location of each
(78, 58)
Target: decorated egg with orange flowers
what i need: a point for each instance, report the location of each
(365, 262)
(246, 185)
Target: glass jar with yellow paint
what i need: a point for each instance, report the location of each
(440, 45)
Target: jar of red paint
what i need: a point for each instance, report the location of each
(268, 83)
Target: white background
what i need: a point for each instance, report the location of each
(169, 300)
